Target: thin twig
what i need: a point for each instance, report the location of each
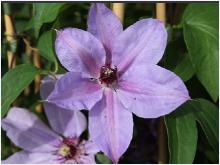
(56, 67)
(29, 52)
(37, 79)
(15, 35)
(118, 9)
(27, 43)
(162, 156)
(161, 12)
(37, 63)
(13, 62)
(9, 29)
(162, 142)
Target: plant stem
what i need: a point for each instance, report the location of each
(28, 45)
(161, 12)
(28, 52)
(162, 156)
(37, 63)
(9, 30)
(118, 9)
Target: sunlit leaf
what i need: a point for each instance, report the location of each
(13, 83)
(102, 159)
(45, 45)
(206, 114)
(200, 25)
(44, 13)
(184, 69)
(182, 135)
(182, 130)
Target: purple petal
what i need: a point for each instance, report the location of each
(89, 147)
(79, 51)
(111, 126)
(143, 42)
(89, 159)
(150, 91)
(74, 92)
(24, 157)
(28, 132)
(47, 85)
(105, 25)
(66, 122)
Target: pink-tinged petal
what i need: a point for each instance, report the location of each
(79, 51)
(111, 126)
(89, 159)
(105, 25)
(24, 157)
(151, 91)
(143, 42)
(28, 132)
(74, 92)
(66, 122)
(89, 147)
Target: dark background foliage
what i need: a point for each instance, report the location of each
(192, 53)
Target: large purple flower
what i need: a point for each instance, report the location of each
(113, 73)
(42, 145)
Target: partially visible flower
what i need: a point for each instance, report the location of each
(42, 145)
(113, 73)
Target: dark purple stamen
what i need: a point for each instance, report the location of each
(108, 75)
(72, 152)
(72, 144)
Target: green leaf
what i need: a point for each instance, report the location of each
(200, 26)
(45, 45)
(212, 156)
(102, 159)
(182, 130)
(175, 50)
(44, 13)
(182, 135)
(206, 114)
(172, 55)
(13, 83)
(184, 69)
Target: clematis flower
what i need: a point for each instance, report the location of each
(113, 73)
(42, 145)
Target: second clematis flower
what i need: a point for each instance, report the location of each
(113, 73)
(42, 145)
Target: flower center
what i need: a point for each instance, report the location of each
(69, 148)
(108, 75)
